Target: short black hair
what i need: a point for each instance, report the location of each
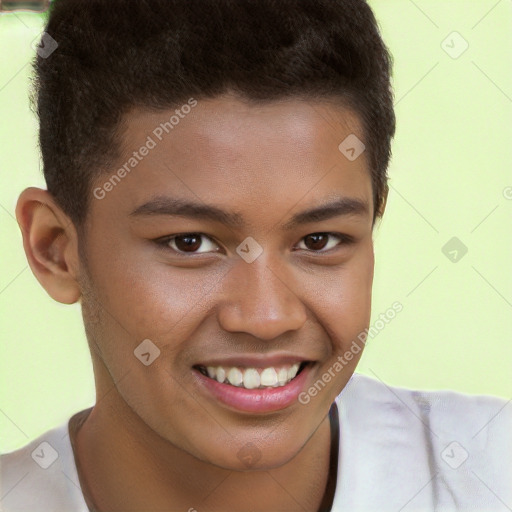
(116, 55)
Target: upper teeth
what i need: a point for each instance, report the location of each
(251, 378)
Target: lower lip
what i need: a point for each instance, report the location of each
(255, 400)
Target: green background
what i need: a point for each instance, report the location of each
(450, 177)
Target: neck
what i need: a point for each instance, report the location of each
(124, 465)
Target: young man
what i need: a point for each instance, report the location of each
(215, 170)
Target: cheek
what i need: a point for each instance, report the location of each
(153, 299)
(343, 310)
(166, 302)
(344, 305)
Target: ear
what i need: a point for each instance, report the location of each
(384, 200)
(51, 244)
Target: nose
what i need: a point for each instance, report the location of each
(260, 300)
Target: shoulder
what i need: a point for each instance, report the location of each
(388, 396)
(445, 410)
(41, 475)
(456, 447)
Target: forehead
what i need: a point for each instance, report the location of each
(224, 151)
(228, 127)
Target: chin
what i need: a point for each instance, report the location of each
(254, 461)
(253, 456)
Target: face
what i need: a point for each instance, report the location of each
(208, 247)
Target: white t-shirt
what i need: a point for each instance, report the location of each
(400, 450)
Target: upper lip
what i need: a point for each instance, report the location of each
(255, 360)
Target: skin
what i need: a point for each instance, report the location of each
(155, 440)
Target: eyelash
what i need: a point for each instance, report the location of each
(164, 242)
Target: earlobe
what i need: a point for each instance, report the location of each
(50, 243)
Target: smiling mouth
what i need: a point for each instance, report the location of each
(254, 378)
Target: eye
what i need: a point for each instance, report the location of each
(190, 243)
(187, 243)
(317, 241)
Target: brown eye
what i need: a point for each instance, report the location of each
(316, 242)
(189, 243)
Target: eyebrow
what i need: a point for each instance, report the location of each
(164, 205)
